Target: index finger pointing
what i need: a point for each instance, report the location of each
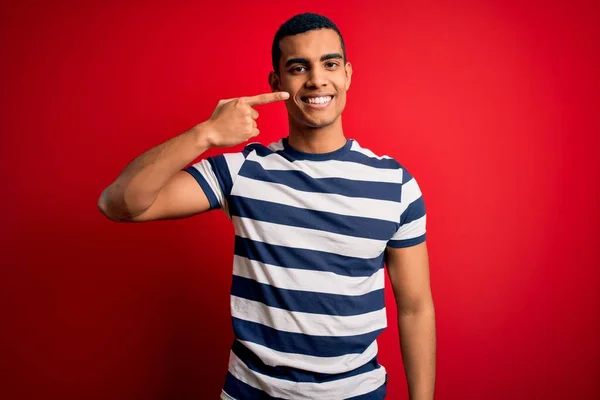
(267, 98)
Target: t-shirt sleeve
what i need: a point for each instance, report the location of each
(216, 176)
(413, 216)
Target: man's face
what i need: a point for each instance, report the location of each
(312, 71)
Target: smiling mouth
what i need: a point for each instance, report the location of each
(317, 101)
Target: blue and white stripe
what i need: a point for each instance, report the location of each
(307, 294)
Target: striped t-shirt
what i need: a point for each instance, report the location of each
(307, 296)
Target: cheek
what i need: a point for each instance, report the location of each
(341, 83)
(290, 85)
(341, 89)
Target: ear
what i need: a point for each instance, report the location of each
(274, 82)
(348, 75)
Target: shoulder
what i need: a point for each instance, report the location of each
(383, 162)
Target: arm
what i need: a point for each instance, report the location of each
(408, 270)
(153, 186)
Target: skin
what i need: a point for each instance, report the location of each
(153, 187)
(408, 269)
(312, 64)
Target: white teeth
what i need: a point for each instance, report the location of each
(318, 100)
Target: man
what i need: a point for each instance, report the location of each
(315, 217)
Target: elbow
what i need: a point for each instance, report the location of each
(104, 209)
(109, 209)
(421, 306)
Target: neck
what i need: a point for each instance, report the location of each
(317, 140)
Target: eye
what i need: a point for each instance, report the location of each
(298, 69)
(331, 65)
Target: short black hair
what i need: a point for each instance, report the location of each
(301, 23)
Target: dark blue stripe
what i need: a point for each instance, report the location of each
(414, 211)
(212, 198)
(221, 170)
(247, 150)
(242, 391)
(308, 302)
(306, 259)
(300, 343)
(406, 242)
(301, 155)
(319, 220)
(261, 150)
(351, 156)
(294, 374)
(301, 181)
(378, 394)
(406, 176)
(360, 158)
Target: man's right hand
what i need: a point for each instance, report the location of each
(234, 120)
(153, 186)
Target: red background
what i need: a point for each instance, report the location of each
(492, 105)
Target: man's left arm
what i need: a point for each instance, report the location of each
(408, 269)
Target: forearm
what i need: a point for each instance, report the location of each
(138, 185)
(418, 346)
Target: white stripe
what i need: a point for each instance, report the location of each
(329, 169)
(234, 163)
(321, 365)
(356, 147)
(306, 280)
(276, 146)
(207, 172)
(225, 396)
(411, 230)
(410, 192)
(326, 202)
(307, 323)
(310, 239)
(286, 389)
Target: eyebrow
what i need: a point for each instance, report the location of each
(300, 60)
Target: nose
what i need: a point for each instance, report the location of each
(316, 78)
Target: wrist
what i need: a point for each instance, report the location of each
(202, 135)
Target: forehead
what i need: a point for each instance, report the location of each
(310, 45)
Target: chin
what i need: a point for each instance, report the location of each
(323, 125)
(309, 121)
(318, 123)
